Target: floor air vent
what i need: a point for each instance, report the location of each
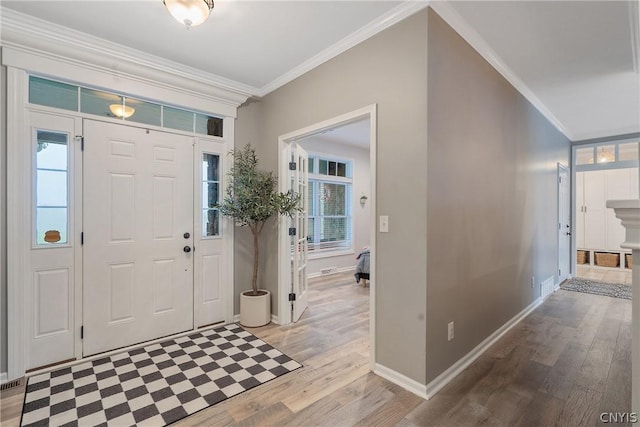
(547, 287)
(10, 384)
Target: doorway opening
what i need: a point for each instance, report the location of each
(340, 215)
(603, 171)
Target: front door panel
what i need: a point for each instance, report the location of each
(138, 205)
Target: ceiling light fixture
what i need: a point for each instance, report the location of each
(189, 12)
(122, 111)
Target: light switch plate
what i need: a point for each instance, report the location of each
(384, 224)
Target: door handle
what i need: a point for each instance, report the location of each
(187, 249)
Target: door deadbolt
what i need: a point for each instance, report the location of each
(186, 235)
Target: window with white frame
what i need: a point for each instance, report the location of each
(330, 201)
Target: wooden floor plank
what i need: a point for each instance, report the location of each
(581, 408)
(563, 364)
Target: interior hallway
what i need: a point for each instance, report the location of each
(564, 364)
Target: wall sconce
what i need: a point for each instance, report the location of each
(363, 200)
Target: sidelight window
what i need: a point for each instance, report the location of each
(52, 183)
(210, 194)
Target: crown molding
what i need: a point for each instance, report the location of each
(632, 131)
(35, 36)
(383, 22)
(471, 36)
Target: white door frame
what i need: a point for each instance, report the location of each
(566, 274)
(19, 168)
(284, 264)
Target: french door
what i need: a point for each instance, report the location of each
(299, 229)
(138, 235)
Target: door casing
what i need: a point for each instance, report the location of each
(284, 265)
(564, 223)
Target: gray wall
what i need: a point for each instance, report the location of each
(3, 219)
(247, 131)
(389, 70)
(491, 200)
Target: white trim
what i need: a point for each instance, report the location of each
(3, 377)
(373, 155)
(229, 132)
(336, 271)
(275, 319)
(17, 222)
(18, 161)
(444, 378)
(383, 22)
(403, 381)
(330, 253)
(471, 36)
(369, 112)
(53, 41)
(572, 226)
(43, 38)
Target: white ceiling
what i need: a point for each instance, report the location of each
(574, 60)
(355, 134)
(579, 58)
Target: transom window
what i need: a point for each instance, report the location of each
(330, 201)
(607, 153)
(55, 94)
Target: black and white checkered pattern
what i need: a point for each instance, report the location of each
(155, 385)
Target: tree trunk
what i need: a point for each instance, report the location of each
(254, 282)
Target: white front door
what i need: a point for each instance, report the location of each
(564, 224)
(299, 229)
(138, 234)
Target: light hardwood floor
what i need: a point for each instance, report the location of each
(563, 365)
(604, 274)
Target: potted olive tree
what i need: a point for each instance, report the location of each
(251, 198)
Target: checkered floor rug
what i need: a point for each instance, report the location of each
(155, 385)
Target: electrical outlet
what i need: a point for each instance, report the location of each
(533, 281)
(450, 331)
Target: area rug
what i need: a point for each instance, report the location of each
(615, 290)
(155, 385)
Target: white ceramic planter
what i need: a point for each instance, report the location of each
(255, 310)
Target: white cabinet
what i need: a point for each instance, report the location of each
(597, 227)
(579, 226)
(594, 209)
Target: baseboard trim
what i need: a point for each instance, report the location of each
(275, 319)
(444, 378)
(337, 270)
(402, 380)
(3, 377)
